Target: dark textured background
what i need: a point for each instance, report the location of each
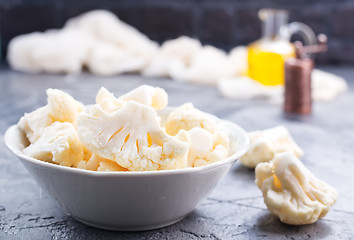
(222, 23)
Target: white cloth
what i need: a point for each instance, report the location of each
(245, 88)
(325, 87)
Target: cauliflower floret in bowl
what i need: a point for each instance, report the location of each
(129, 200)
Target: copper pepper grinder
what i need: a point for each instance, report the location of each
(298, 77)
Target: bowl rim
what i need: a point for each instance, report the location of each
(243, 149)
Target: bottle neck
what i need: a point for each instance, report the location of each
(273, 21)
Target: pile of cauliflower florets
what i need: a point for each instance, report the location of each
(289, 189)
(99, 41)
(105, 45)
(122, 134)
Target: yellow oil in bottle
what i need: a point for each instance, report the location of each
(266, 60)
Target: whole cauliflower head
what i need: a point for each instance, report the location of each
(265, 144)
(132, 137)
(57, 143)
(291, 192)
(187, 117)
(152, 96)
(61, 107)
(204, 147)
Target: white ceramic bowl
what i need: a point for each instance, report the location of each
(128, 201)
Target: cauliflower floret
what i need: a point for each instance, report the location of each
(57, 143)
(291, 192)
(52, 51)
(180, 50)
(207, 66)
(96, 163)
(152, 96)
(107, 101)
(265, 144)
(187, 117)
(104, 26)
(87, 153)
(132, 137)
(238, 60)
(61, 107)
(204, 147)
(33, 123)
(107, 59)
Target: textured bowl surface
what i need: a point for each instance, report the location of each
(128, 201)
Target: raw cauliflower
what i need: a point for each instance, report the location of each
(132, 137)
(96, 163)
(104, 26)
(57, 143)
(61, 107)
(238, 60)
(122, 134)
(52, 51)
(106, 59)
(291, 192)
(265, 144)
(176, 51)
(206, 67)
(152, 96)
(187, 117)
(204, 147)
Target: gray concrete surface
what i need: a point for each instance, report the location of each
(235, 210)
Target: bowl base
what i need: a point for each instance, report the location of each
(128, 228)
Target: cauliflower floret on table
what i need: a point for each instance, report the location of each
(152, 96)
(132, 137)
(265, 144)
(187, 117)
(291, 192)
(61, 107)
(57, 143)
(96, 163)
(204, 147)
